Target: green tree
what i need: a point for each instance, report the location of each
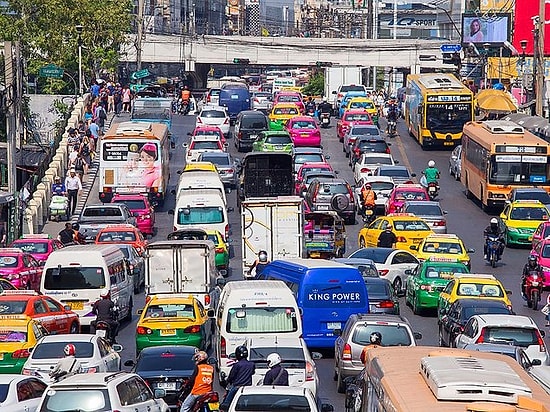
(46, 29)
(315, 85)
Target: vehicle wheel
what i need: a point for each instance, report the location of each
(493, 261)
(416, 308)
(452, 341)
(346, 152)
(529, 303)
(397, 284)
(128, 317)
(362, 242)
(340, 384)
(335, 376)
(440, 338)
(535, 300)
(451, 170)
(74, 328)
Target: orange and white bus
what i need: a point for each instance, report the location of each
(134, 159)
(423, 378)
(436, 107)
(498, 156)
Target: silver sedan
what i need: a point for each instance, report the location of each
(225, 164)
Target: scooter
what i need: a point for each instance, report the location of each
(209, 402)
(325, 120)
(368, 213)
(533, 289)
(59, 206)
(493, 249)
(392, 128)
(433, 190)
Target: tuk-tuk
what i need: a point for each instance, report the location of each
(324, 235)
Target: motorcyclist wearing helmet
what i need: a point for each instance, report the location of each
(200, 382)
(368, 197)
(78, 237)
(310, 105)
(532, 265)
(240, 374)
(324, 107)
(276, 375)
(68, 365)
(106, 311)
(392, 113)
(261, 262)
(494, 230)
(431, 173)
(375, 341)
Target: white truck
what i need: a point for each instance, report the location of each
(335, 77)
(272, 224)
(183, 266)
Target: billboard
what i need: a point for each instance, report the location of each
(494, 29)
(523, 25)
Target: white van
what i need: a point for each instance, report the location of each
(76, 276)
(254, 308)
(203, 208)
(201, 179)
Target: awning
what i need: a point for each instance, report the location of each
(29, 156)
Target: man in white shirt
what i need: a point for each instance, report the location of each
(74, 186)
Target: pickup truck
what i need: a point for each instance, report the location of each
(93, 218)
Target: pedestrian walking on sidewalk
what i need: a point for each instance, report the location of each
(74, 186)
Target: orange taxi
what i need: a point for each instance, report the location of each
(51, 314)
(123, 233)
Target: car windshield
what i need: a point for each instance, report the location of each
(286, 98)
(393, 172)
(285, 110)
(262, 320)
(332, 189)
(117, 237)
(10, 334)
(218, 114)
(411, 195)
(361, 105)
(448, 117)
(253, 122)
(12, 307)
(357, 117)
(272, 402)
(378, 290)
(523, 337)
(304, 124)
(453, 248)
(207, 132)
(81, 400)
(351, 88)
(374, 160)
(102, 211)
(307, 158)
(194, 215)
(77, 277)
(507, 170)
(136, 204)
(445, 272)
(278, 140)
(8, 261)
(365, 131)
(392, 335)
(424, 210)
(166, 361)
(54, 350)
(377, 255)
(292, 357)
(205, 145)
(173, 310)
(379, 146)
(382, 186)
(480, 289)
(529, 213)
(410, 225)
(32, 247)
(217, 160)
(541, 196)
(469, 311)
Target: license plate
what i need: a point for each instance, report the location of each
(325, 120)
(448, 143)
(101, 333)
(368, 212)
(213, 406)
(171, 386)
(304, 134)
(334, 325)
(535, 283)
(322, 207)
(278, 147)
(314, 254)
(76, 305)
(167, 332)
(253, 136)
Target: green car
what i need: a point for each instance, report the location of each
(273, 141)
(430, 277)
(222, 251)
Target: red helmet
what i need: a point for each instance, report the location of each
(69, 350)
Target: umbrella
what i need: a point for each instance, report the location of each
(496, 103)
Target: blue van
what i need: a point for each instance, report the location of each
(235, 99)
(327, 293)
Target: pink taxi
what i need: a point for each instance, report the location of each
(308, 167)
(304, 131)
(542, 251)
(290, 97)
(542, 232)
(207, 130)
(141, 208)
(350, 118)
(39, 246)
(401, 193)
(20, 268)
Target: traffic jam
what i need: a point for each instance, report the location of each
(329, 260)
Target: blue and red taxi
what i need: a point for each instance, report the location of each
(39, 246)
(20, 268)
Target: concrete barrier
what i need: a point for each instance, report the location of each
(43, 193)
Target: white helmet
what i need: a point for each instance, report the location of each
(273, 359)
(431, 163)
(494, 221)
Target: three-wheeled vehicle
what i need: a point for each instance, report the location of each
(324, 235)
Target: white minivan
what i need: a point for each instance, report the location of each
(202, 208)
(201, 179)
(77, 275)
(254, 308)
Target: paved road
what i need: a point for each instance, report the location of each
(465, 218)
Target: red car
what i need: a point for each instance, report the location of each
(208, 131)
(290, 97)
(141, 208)
(308, 167)
(401, 193)
(39, 246)
(54, 316)
(304, 131)
(350, 118)
(20, 268)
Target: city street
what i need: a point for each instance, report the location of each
(465, 218)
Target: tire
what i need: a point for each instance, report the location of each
(340, 384)
(451, 171)
(535, 300)
(128, 317)
(339, 202)
(397, 284)
(529, 303)
(74, 329)
(416, 309)
(493, 260)
(440, 339)
(362, 242)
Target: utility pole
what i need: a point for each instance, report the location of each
(539, 60)
(139, 40)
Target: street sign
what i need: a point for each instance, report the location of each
(140, 74)
(450, 48)
(51, 71)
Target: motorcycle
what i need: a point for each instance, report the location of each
(310, 111)
(433, 190)
(325, 120)
(533, 288)
(368, 213)
(493, 249)
(183, 107)
(102, 328)
(392, 128)
(209, 402)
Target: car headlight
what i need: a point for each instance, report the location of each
(512, 229)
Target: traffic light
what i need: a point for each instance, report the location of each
(238, 60)
(323, 64)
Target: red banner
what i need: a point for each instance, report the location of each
(523, 25)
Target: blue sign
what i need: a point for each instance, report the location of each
(450, 48)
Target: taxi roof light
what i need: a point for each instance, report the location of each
(36, 236)
(19, 292)
(442, 259)
(11, 250)
(172, 296)
(443, 236)
(475, 275)
(402, 214)
(538, 202)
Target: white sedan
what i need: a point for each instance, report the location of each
(94, 353)
(214, 116)
(19, 393)
(369, 162)
(392, 264)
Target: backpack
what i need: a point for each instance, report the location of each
(85, 150)
(102, 114)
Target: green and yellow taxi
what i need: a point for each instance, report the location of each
(18, 335)
(444, 245)
(200, 166)
(409, 229)
(281, 112)
(174, 319)
(428, 280)
(221, 247)
(472, 285)
(273, 141)
(520, 219)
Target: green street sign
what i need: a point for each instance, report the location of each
(51, 71)
(140, 74)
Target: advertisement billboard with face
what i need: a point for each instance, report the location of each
(494, 30)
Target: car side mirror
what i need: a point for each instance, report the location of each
(413, 247)
(117, 347)
(210, 313)
(179, 172)
(417, 335)
(316, 355)
(408, 272)
(337, 332)
(445, 212)
(139, 311)
(336, 172)
(542, 333)
(396, 162)
(327, 157)
(189, 133)
(413, 174)
(536, 362)
(171, 212)
(67, 307)
(230, 209)
(159, 393)
(130, 363)
(471, 250)
(508, 292)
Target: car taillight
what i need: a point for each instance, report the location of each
(309, 372)
(365, 170)
(147, 299)
(26, 372)
(219, 250)
(388, 150)
(208, 99)
(346, 353)
(141, 330)
(357, 151)
(147, 216)
(481, 338)
(383, 272)
(440, 223)
(351, 196)
(230, 171)
(207, 300)
(386, 304)
(542, 347)
(240, 134)
(192, 329)
(401, 239)
(20, 354)
(223, 347)
(226, 232)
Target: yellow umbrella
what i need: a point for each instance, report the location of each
(495, 101)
